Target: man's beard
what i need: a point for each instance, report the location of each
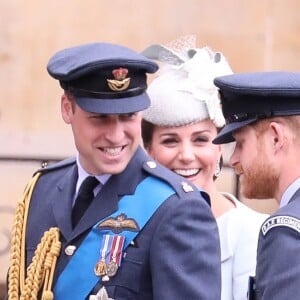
(260, 180)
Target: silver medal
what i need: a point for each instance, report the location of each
(112, 268)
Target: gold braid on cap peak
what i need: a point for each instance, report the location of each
(40, 273)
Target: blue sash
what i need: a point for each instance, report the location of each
(78, 278)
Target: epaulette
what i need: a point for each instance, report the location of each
(55, 166)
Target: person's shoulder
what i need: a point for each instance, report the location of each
(182, 187)
(286, 217)
(56, 166)
(251, 213)
(240, 226)
(244, 218)
(244, 211)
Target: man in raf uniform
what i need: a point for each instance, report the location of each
(147, 233)
(263, 118)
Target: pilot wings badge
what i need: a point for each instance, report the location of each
(119, 224)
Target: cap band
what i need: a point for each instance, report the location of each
(107, 95)
(240, 117)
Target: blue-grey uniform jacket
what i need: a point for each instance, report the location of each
(175, 256)
(278, 257)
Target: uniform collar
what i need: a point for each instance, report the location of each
(289, 192)
(82, 174)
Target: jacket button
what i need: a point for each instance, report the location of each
(151, 164)
(69, 250)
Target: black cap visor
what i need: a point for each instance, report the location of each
(225, 135)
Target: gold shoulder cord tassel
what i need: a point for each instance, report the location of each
(41, 270)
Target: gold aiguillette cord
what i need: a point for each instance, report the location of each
(40, 273)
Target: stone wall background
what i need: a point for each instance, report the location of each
(253, 35)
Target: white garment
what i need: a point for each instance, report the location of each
(238, 231)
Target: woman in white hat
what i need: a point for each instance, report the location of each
(178, 129)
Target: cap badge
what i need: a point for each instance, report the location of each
(119, 224)
(120, 82)
(186, 187)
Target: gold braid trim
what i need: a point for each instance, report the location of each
(40, 273)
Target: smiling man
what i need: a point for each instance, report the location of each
(128, 228)
(263, 118)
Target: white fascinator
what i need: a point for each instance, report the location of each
(184, 92)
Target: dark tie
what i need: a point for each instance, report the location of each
(84, 198)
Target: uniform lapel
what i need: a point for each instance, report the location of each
(62, 202)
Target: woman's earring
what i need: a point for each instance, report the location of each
(218, 169)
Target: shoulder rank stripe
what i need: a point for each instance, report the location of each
(280, 221)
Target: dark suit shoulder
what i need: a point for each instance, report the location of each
(182, 187)
(57, 166)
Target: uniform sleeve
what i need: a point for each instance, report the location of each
(185, 253)
(278, 271)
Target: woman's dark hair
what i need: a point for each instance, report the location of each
(147, 133)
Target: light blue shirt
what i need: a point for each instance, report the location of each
(82, 174)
